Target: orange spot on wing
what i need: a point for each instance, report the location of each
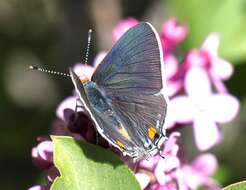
(151, 132)
(120, 144)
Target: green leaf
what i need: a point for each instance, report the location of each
(227, 17)
(89, 167)
(236, 186)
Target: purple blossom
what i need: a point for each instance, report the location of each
(158, 171)
(172, 33)
(203, 107)
(207, 57)
(39, 187)
(219, 67)
(42, 155)
(171, 69)
(122, 27)
(199, 171)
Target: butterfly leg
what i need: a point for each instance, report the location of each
(97, 137)
(78, 105)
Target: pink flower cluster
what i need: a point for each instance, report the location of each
(198, 97)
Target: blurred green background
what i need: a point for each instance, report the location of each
(53, 34)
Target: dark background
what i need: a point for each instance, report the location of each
(53, 34)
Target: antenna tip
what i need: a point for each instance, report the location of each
(33, 67)
(90, 31)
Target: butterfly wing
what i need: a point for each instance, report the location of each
(107, 123)
(131, 76)
(134, 63)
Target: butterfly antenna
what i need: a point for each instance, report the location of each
(88, 46)
(48, 71)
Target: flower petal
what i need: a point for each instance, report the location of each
(169, 121)
(68, 103)
(172, 162)
(122, 27)
(205, 164)
(150, 163)
(222, 68)
(223, 107)
(211, 43)
(99, 57)
(168, 186)
(143, 179)
(173, 87)
(45, 150)
(171, 147)
(218, 84)
(206, 132)
(160, 172)
(197, 83)
(181, 109)
(171, 65)
(196, 58)
(39, 187)
(192, 179)
(173, 32)
(83, 70)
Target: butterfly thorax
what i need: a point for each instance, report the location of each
(96, 97)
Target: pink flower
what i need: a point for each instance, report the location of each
(220, 67)
(42, 155)
(171, 69)
(172, 34)
(143, 179)
(67, 104)
(199, 171)
(156, 170)
(122, 27)
(202, 107)
(207, 57)
(39, 187)
(98, 59)
(83, 70)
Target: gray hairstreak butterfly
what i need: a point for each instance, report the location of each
(125, 97)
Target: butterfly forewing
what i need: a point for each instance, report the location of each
(133, 64)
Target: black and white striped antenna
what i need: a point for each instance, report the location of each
(48, 71)
(66, 74)
(88, 46)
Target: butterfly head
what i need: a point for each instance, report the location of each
(84, 79)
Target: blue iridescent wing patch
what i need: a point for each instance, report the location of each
(126, 95)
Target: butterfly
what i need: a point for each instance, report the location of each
(126, 97)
